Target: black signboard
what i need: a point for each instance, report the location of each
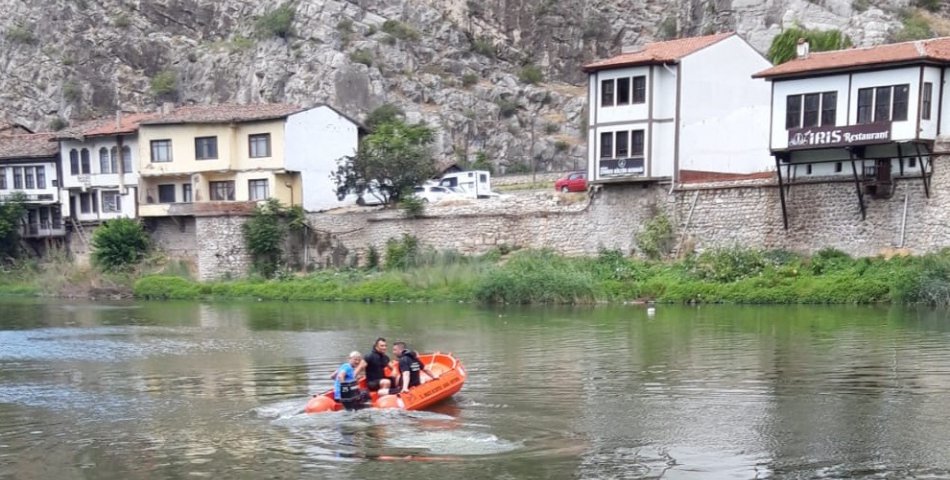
(620, 166)
(824, 137)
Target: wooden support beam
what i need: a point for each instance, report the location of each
(781, 192)
(857, 185)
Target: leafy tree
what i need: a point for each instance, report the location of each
(264, 235)
(119, 243)
(389, 161)
(784, 45)
(11, 216)
(278, 22)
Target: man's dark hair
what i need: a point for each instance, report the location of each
(380, 339)
(401, 344)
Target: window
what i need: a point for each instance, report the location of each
(161, 151)
(793, 111)
(257, 189)
(829, 106)
(74, 162)
(166, 193)
(41, 177)
(607, 145)
(810, 109)
(889, 103)
(926, 99)
(186, 192)
(639, 89)
(206, 148)
(901, 96)
(912, 163)
(808, 169)
(44, 218)
(623, 91)
(85, 202)
(838, 167)
(636, 143)
(18, 178)
(84, 161)
(882, 104)
(607, 93)
(105, 165)
(111, 202)
(222, 191)
(623, 144)
(126, 159)
(28, 171)
(259, 145)
(3, 178)
(812, 104)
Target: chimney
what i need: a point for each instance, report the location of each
(167, 107)
(118, 119)
(801, 51)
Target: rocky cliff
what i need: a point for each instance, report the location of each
(499, 78)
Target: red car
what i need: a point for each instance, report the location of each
(573, 182)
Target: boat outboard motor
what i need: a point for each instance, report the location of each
(350, 395)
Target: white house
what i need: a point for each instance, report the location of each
(99, 183)
(868, 115)
(671, 109)
(203, 159)
(28, 165)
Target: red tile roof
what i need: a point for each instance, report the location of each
(659, 52)
(10, 128)
(100, 127)
(937, 49)
(28, 145)
(224, 113)
(700, 176)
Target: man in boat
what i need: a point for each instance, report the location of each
(346, 389)
(409, 368)
(374, 364)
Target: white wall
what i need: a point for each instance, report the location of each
(944, 112)
(725, 112)
(664, 92)
(98, 181)
(664, 141)
(49, 171)
(928, 128)
(831, 83)
(315, 140)
(621, 113)
(910, 75)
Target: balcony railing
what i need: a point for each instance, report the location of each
(43, 229)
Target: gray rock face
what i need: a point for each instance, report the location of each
(453, 63)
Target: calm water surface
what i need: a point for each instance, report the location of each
(181, 390)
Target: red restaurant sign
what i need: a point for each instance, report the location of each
(823, 137)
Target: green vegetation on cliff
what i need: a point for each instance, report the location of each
(538, 276)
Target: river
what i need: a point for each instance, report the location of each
(190, 390)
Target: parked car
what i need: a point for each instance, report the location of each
(433, 193)
(573, 182)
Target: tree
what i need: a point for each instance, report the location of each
(784, 45)
(119, 243)
(389, 161)
(12, 210)
(264, 235)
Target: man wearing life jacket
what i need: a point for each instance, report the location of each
(409, 368)
(345, 386)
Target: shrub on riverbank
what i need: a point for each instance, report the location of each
(540, 276)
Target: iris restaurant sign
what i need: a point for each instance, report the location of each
(823, 137)
(620, 166)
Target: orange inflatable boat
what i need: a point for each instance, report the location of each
(451, 376)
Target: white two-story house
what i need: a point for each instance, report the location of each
(100, 175)
(670, 109)
(863, 115)
(28, 165)
(208, 159)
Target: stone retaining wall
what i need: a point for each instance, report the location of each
(743, 213)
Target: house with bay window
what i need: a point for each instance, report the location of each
(865, 117)
(100, 174)
(674, 109)
(215, 159)
(28, 167)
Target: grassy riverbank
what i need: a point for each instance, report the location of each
(726, 276)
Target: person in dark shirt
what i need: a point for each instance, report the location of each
(409, 368)
(374, 364)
